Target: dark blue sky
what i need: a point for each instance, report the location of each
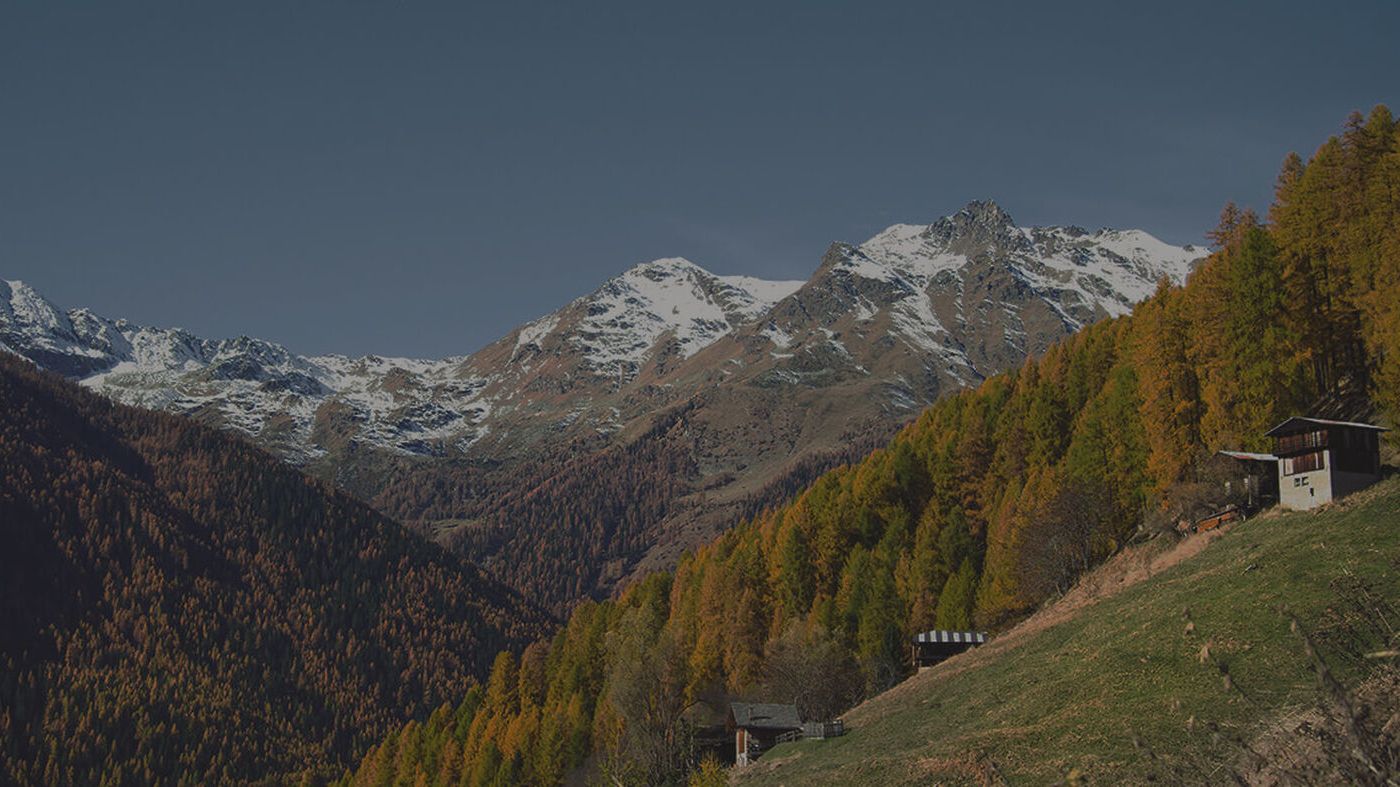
(416, 179)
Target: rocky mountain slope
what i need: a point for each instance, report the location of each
(651, 316)
(732, 389)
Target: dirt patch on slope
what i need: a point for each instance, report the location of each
(1326, 744)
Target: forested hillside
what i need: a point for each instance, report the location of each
(1172, 664)
(993, 500)
(179, 606)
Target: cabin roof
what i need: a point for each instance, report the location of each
(765, 716)
(1300, 423)
(1249, 456)
(939, 635)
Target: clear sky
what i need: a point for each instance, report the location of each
(413, 178)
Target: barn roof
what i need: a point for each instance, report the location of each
(1246, 455)
(765, 716)
(939, 635)
(1300, 423)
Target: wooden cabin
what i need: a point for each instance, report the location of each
(758, 726)
(931, 647)
(1321, 460)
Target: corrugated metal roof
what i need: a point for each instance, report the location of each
(939, 635)
(1248, 455)
(765, 715)
(1303, 421)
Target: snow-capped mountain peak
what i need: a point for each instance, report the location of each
(23, 305)
(1109, 270)
(969, 293)
(910, 311)
(32, 326)
(624, 324)
(979, 223)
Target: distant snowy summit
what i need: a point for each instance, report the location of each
(922, 307)
(669, 308)
(912, 310)
(1107, 269)
(618, 328)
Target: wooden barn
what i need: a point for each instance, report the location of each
(758, 726)
(1321, 460)
(931, 647)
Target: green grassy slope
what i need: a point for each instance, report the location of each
(1071, 697)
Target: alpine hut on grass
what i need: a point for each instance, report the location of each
(931, 647)
(1321, 460)
(757, 726)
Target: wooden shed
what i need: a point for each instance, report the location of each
(1258, 478)
(757, 726)
(931, 647)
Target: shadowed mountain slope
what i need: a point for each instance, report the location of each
(176, 601)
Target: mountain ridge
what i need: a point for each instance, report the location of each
(752, 385)
(632, 326)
